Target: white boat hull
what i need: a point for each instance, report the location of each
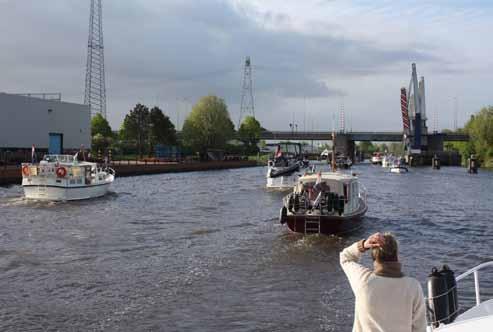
(282, 182)
(53, 193)
(398, 170)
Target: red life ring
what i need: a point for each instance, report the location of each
(25, 170)
(61, 172)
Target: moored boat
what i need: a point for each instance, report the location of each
(324, 203)
(64, 178)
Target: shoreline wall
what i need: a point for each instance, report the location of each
(12, 174)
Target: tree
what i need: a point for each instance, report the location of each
(366, 147)
(480, 131)
(99, 125)
(161, 129)
(101, 134)
(100, 143)
(249, 133)
(136, 126)
(208, 125)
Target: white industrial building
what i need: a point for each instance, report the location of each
(49, 124)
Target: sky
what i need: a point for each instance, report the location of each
(310, 58)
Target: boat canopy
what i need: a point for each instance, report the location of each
(335, 182)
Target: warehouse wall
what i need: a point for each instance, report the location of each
(25, 121)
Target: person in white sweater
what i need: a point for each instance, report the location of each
(386, 300)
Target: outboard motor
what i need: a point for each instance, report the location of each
(442, 296)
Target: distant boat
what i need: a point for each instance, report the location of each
(63, 178)
(324, 203)
(376, 159)
(398, 167)
(284, 165)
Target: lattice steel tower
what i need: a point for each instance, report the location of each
(95, 93)
(247, 105)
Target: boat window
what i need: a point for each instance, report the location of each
(79, 181)
(72, 181)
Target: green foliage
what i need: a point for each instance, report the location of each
(208, 126)
(136, 127)
(101, 134)
(100, 143)
(480, 130)
(366, 147)
(162, 130)
(249, 134)
(99, 125)
(397, 149)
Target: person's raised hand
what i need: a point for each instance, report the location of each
(373, 241)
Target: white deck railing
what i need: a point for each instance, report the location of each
(475, 271)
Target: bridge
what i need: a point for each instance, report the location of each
(358, 136)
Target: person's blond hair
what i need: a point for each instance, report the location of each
(388, 251)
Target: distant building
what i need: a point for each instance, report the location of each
(51, 125)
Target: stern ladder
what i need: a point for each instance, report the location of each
(312, 224)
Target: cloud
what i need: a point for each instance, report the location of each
(161, 52)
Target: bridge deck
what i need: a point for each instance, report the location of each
(391, 136)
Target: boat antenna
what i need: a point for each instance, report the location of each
(333, 162)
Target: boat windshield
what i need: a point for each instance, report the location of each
(62, 158)
(288, 148)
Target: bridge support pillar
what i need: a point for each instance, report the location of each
(344, 145)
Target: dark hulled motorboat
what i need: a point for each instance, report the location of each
(324, 203)
(283, 167)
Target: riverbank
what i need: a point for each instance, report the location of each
(12, 174)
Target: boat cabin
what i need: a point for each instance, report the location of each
(341, 189)
(64, 170)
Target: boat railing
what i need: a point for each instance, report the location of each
(475, 272)
(109, 170)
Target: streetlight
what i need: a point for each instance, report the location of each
(291, 125)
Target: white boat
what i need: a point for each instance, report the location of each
(63, 178)
(479, 318)
(387, 161)
(284, 167)
(398, 169)
(324, 203)
(376, 158)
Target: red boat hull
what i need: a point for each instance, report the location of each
(328, 225)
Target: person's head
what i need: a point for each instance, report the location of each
(388, 251)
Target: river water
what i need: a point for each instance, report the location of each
(204, 251)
